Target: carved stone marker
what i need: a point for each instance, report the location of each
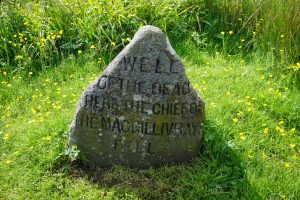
(142, 110)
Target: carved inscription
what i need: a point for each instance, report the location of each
(122, 125)
(97, 104)
(99, 107)
(148, 65)
(142, 110)
(138, 87)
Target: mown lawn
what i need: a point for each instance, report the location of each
(251, 148)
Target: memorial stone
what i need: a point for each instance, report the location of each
(142, 110)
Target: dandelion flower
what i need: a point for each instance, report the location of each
(230, 32)
(79, 51)
(235, 120)
(222, 33)
(292, 145)
(254, 33)
(30, 73)
(92, 46)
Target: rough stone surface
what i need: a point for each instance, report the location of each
(141, 111)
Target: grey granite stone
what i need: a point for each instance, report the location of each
(142, 110)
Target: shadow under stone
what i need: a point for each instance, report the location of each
(216, 173)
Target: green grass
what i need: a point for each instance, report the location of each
(251, 148)
(54, 29)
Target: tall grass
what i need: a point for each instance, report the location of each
(267, 26)
(36, 34)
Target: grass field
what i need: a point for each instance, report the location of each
(251, 148)
(244, 65)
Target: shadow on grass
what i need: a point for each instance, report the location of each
(217, 173)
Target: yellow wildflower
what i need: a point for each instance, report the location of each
(240, 113)
(92, 46)
(292, 130)
(79, 51)
(30, 73)
(287, 165)
(282, 196)
(266, 130)
(250, 156)
(230, 32)
(254, 33)
(18, 57)
(48, 138)
(242, 136)
(235, 120)
(280, 122)
(222, 33)
(33, 110)
(292, 145)
(6, 136)
(7, 162)
(61, 32)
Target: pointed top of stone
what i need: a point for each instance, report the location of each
(142, 110)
